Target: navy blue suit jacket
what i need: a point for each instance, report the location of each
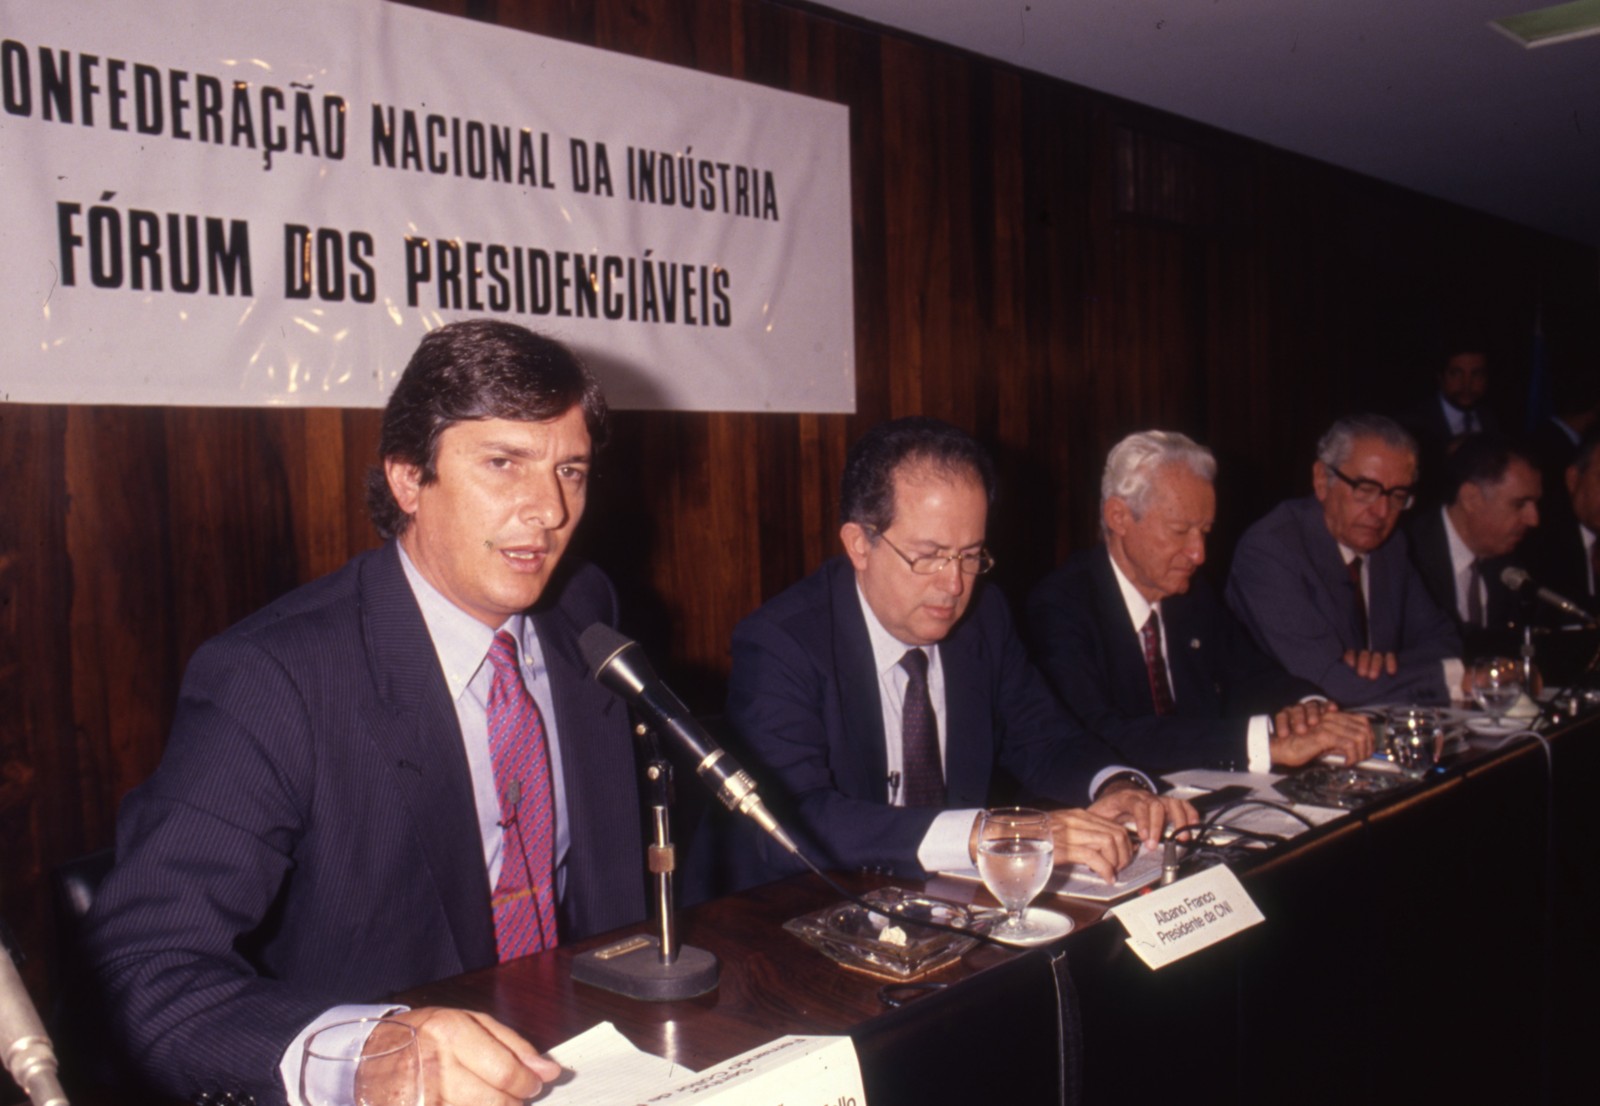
(1506, 611)
(1085, 644)
(310, 836)
(803, 694)
(1289, 586)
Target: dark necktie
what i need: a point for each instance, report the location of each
(1469, 422)
(1475, 593)
(1354, 568)
(1155, 664)
(919, 736)
(524, 896)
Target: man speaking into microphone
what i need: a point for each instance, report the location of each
(394, 774)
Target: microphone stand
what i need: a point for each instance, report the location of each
(655, 969)
(28, 1054)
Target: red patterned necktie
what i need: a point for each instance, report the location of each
(919, 736)
(524, 895)
(1155, 664)
(1354, 568)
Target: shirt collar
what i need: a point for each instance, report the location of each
(461, 641)
(1138, 606)
(886, 648)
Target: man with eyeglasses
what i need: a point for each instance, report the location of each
(883, 691)
(1327, 587)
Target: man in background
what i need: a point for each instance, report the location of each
(1139, 646)
(1457, 407)
(1328, 588)
(396, 773)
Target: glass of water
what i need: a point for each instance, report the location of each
(1415, 738)
(1016, 854)
(1496, 686)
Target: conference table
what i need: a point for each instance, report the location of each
(1437, 944)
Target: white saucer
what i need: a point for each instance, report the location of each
(1497, 729)
(1048, 926)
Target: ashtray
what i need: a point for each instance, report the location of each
(1333, 785)
(883, 941)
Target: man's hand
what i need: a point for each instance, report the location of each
(1150, 814)
(1305, 731)
(1370, 664)
(470, 1059)
(1091, 840)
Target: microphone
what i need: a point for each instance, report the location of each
(27, 1051)
(1518, 580)
(620, 665)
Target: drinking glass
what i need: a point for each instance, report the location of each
(1016, 854)
(1416, 738)
(365, 1062)
(1496, 685)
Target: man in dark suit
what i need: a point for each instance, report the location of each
(1141, 649)
(396, 773)
(882, 692)
(1327, 587)
(1456, 407)
(1491, 500)
(1565, 556)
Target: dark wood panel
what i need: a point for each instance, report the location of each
(1041, 264)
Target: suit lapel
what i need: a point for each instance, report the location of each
(858, 688)
(968, 749)
(1193, 687)
(593, 769)
(421, 738)
(1130, 679)
(1339, 595)
(1432, 553)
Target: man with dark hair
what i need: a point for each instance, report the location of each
(1327, 587)
(1456, 407)
(883, 691)
(1141, 648)
(396, 773)
(1491, 500)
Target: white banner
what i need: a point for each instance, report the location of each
(223, 202)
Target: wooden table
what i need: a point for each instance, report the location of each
(1407, 953)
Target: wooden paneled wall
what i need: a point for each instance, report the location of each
(1046, 266)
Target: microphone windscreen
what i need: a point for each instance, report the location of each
(599, 643)
(1513, 577)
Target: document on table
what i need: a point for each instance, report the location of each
(604, 1068)
(1074, 881)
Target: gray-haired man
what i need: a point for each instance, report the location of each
(1327, 587)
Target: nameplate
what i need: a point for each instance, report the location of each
(1184, 917)
(791, 1071)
